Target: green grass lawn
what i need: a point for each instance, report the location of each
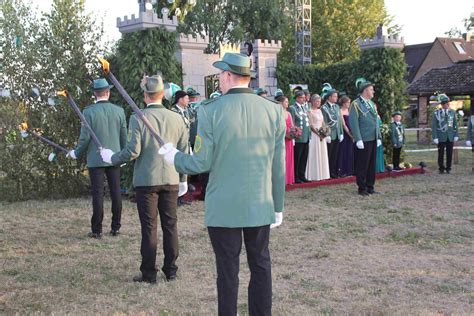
(408, 250)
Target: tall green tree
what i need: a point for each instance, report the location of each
(237, 21)
(40, 57)
(338, 24)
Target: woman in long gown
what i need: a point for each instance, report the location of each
(317, 167)
(290, 171)
(380, 161)
(345, 159)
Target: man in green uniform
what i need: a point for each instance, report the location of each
(192, 108)
(332, 118)
(470, 129)
(397, 132)
(300, 118)
(108, 122)
(240, 142)
(444, 132)
(156, 183)
(367, 137)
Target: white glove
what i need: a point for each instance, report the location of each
(278, 219)
(456, 138)
(360, 144)
(183, 188)
(379, 142)
(106, 155)
(168, 151)
(327, 139)
(468, 143)
(71, 154)
(341, 138)
(435, 141)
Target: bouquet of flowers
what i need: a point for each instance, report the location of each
(324, 131)
(295, 132)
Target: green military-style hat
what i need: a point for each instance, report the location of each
(192, 92)
(279, 93)
(361, 83)
(261, 91)
(443, 98)
(236, 63)
(327, 90)
(152, 84)
(396, 113)
(100, 84)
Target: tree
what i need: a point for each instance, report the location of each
(237, 21)
(337, 25)
(468, 25)
(39, 58)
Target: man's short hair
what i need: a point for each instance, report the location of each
(154, 95)
(101, 93)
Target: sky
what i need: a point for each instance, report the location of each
(421, 20)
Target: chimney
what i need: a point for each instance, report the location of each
(467, 36)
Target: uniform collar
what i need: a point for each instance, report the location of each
(240, 90)
(102, 101)
(155, 106)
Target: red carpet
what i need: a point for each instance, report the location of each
(313, 184)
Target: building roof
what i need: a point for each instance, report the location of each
(414, 57)
(457, 49)
(457, 79)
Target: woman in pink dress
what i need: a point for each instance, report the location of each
(290, 172)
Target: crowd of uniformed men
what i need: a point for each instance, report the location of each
(236, 141)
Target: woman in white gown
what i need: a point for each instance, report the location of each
(317, 167)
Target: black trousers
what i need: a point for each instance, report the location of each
(396, 157)
(151, 201)
(333, 152)
(449, 155)
(365, 165)
(97, 186)
(227, 243)
(301, 158)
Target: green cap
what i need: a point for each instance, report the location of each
(361, 83)
(236, 63)
(327, 90)
(192, 92)
(279, 93)
(396, 113)
(443, 98)
(261, 91)
(152, 84)
(100, 84)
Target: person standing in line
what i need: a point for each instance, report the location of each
(300, 118)
(318, 166)
(397, 133)
(241, 144)
(156, 183)
(367, 137)
(346, 147)
(444, 132)
(332, 118)
(109, 124)
(289, 158)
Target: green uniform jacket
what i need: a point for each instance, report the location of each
(444, 127)
(397, 132)
(470, 129)
(332, 118)
(241, 143)
(194, 122)
(108, 122)
(150, 168)
(363, 121)
(301, 119)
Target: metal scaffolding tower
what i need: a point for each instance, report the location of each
(303, 31)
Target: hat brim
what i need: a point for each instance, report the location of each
(110, 86)
(222, 65)
(366, 85)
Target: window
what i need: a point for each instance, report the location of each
(459, 47)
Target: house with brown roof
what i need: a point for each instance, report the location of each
(443, 52)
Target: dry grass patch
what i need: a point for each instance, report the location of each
(408, 250)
